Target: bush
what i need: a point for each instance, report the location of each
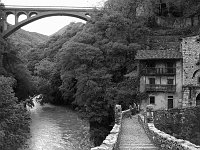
(14, 119)
(181, 123)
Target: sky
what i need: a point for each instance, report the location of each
(50, 25)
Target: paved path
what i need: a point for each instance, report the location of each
(133, 137)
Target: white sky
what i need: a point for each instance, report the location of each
(50, 25)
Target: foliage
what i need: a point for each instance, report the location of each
(94, 64)
(44, 68)
(86, 65)
(14, 119)
(181, 123)
(16, 68)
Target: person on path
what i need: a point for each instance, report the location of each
(131, 110)
(134, 110)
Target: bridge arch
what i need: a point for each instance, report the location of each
(21, 13)
(30, 19)
(32, 13)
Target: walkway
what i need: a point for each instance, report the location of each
(133, 137)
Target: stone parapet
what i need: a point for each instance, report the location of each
(111, 141)
(165, 141)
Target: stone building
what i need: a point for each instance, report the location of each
(169, 13)
(161, 72)
(190, 48)
(169, 68)
(170, 72)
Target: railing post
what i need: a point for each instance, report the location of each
(118, 114)
(149, 113)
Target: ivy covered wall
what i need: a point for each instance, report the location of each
(180, 123)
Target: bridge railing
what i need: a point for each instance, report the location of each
(161, 139)
(112, 140)
(46, 7)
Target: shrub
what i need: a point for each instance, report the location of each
(14, 119)
(181, 123)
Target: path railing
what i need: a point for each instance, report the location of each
(111, 141)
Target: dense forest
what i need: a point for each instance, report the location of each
(86, 66)
(89, 67)
(16, 85)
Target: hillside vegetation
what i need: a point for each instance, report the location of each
(27, 39)
(84, 66)
(16, 85)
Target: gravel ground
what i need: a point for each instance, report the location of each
(133, 137)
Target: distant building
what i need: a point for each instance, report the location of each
(169, 68)
(170, 74)
(169, 13)
(190, 48)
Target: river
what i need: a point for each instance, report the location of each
(57, 128)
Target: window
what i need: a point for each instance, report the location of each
(170, 81)
(198, 62)
(162, 9)
(170, 102)
(151, 80)
(198, 80)
(151, 64)
(170, 64)
(1, 29)
(170, 67)
(152, 100)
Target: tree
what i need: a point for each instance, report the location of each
(93, 64)
(14, 119)
(16, 68)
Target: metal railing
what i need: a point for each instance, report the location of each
(160, 88)
(159, 71)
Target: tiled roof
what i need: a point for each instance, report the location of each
(158, 54)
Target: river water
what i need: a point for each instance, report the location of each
(57, 128)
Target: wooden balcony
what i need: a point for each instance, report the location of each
(159, 71)
(160, 88)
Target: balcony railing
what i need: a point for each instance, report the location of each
(159, 71)
(160, 88)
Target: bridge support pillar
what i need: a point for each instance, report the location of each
(3, 24)
(2, 50)
(16, 19)
(3, 27)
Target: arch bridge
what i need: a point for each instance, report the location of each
(34, 13)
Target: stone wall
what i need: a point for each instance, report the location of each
(165, 141)
(164, 42)
(180, 122)
(190, 48)
(144, 8)
(111, 141)
(177, 22)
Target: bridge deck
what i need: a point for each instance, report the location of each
(133, 137)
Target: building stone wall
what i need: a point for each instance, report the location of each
(161, 100)
(144, 8)
(179, 83)
(190, 48)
